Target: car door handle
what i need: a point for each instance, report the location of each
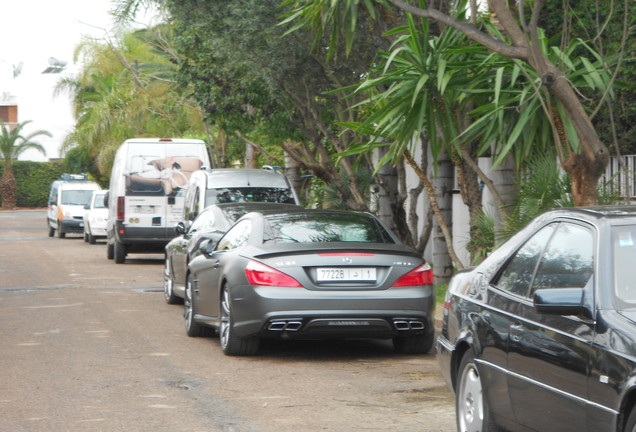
(515, 332)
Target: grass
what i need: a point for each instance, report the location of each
(440, 293)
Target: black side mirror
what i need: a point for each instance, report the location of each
(561, 301)
(180, 228)
(106, 195)
(87, 207)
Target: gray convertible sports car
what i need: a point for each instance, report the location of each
(309, 274)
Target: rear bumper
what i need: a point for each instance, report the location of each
(305, 314)
(143, 239)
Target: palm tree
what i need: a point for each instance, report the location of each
(12, 145)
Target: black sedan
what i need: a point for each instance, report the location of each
(542, 335)
(212, 223)
(310, 274)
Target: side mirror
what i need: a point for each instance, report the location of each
(206, 247)
(180, 228)
(87, 207)
(561, 301)
(106, 196)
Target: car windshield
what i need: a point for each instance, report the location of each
(248, 194)
(324, 227)
(77, 197)
(624, 254)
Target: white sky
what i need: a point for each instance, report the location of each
(32, 31)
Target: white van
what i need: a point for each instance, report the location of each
(146, 193)
(67, 198)
(226, 185)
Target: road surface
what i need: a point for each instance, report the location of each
(88, 345)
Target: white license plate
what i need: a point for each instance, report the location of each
(326, 274)
(144, 209)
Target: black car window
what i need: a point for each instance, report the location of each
(517, 274)
(568, 262)
(249, 194)
(237, 236)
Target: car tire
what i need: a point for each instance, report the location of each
(193, 328)
(51, 231)
(168, 284)
(85, 237)
(60, 234)
(415, 344)
(630, 426)
(110, 251)
(91, 238)
(231, 344)
(471, 407)
(119, 252)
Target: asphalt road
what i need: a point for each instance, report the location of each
(88, 345)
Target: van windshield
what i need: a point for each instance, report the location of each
(77, 197)
(248, 194)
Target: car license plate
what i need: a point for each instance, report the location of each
(329, 274)
(145, 209)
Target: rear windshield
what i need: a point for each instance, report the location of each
(324, 227)
(249, 194)
(99, 201)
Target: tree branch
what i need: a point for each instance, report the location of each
(519, 51)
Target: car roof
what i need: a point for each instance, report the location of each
(244, 177)
(598, 212)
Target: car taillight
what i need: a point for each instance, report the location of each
(422, 275)
(121, 207)
(262, 275)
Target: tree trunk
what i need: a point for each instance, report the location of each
(250, 156)
(292, 172)
(8, 189)
(444, 179)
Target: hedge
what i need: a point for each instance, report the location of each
(34, 181)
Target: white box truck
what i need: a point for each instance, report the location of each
(146, 193)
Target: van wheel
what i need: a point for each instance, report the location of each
(110, 251)
(91, 238)
(51, 231)
(60, 234)
(119, 252)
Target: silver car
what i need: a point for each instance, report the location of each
(309, 274)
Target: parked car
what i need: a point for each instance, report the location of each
(95, 216)
(309, 274)
(67, 197)
(542, 334)
(212, 223)
(236, 185)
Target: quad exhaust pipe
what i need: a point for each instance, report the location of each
(283, 325)
(407, 324)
